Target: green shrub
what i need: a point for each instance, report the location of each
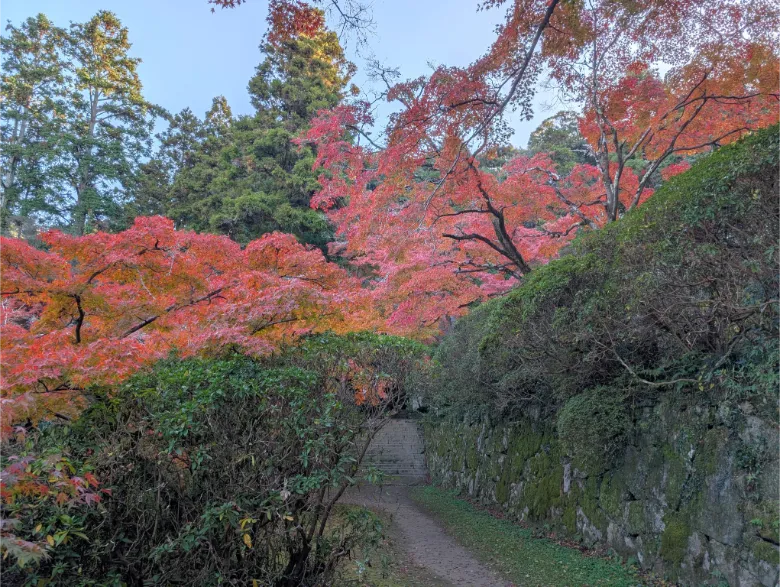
(678, 295)
(223, 470)
(594, 427)
(457, 375)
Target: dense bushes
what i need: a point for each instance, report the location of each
(222, 471)
(679, 294)
(458, 379)
(593, 427)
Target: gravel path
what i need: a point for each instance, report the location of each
(424, 539)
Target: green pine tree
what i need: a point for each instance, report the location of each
(32, 103)
(560, 136)
(177, 150)
(247, 176)
(110, 123)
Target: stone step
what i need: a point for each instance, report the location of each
(404, 480)
(404, 471)
(394, 466)
(406, 448)
(394, 459)
(398, 451)
(395, 440)
(420, 462)
(398, 444)
(389, 455)
(411, 474)
(393, 454)
(394, 462)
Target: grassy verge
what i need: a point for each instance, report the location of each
(515, 551)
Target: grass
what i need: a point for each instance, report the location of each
(515, 552)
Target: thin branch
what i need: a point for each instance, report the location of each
(170, 309)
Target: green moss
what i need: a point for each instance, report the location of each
(708, 449)
(569, 518)
(676, 475)
(589, 503)
(611, 496)
(593, 427)
(448, 442)
(502, 489)
(766, 552)
(524, 443)
(674, 540)
(543, 488)
(472, 456)
(635, 521)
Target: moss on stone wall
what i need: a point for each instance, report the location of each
(672, 499)
(674, 540)
(766, 551)
(677, 476)
(543, 489)
(593, 427)
(612, 495)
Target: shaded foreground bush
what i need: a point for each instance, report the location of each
(681, 294)
(220, 471)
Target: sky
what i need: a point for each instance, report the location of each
(190, 55)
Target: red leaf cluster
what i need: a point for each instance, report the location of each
(94, 309)
(436, 220)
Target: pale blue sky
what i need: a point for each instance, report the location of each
(191, 55)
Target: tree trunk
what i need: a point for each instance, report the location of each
(79, 222)
(9, 177)
(81, 210)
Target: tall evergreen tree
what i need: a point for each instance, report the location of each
(250, 178)
(199, 154)
(32, 103)
(176, 151)
(110, 123)
(560, 137)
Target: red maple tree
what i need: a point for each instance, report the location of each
(720, 81)
(95, 309)
(439, 222)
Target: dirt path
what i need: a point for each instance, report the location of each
(423, 538)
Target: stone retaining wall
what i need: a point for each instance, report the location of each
(694, 496)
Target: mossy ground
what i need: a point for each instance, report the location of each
(519, 555)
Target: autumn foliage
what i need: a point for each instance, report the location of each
(93, 310)
(431, 221)
(720, 82)
(432, 214)
(435, 213)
